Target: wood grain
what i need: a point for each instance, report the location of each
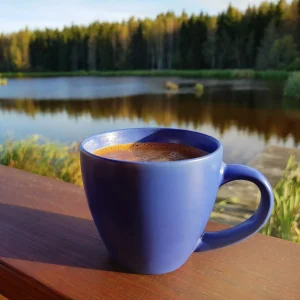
(50, 249)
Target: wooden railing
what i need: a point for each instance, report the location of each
(50, 249)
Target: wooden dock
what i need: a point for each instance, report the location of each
(271, 162)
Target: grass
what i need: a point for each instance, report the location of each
(285, 219)
(199, 89)
(292, 86)
(38, 156)
(221, 74)
(62, 162)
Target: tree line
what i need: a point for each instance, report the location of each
(261, 37)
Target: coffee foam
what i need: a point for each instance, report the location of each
(146, 152)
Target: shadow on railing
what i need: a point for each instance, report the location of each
(75, 239)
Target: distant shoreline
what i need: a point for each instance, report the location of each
(218, 74)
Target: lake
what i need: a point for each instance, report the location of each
(246, 115)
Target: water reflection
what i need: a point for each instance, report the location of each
(165, 110)
(243, 120)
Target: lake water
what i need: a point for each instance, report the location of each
(246, 115)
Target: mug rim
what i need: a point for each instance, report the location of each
(190, 160)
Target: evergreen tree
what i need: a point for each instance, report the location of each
(138, 50)
(263, 60)
(283, 52)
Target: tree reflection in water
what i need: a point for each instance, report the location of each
(259, 113)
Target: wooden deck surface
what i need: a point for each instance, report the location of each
(50, 250)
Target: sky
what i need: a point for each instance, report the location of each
(17, 14)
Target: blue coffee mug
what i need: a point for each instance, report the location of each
(151, 215)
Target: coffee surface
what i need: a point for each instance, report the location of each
(147, 152)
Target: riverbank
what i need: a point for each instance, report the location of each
(221, 74)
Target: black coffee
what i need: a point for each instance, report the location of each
(146, 152)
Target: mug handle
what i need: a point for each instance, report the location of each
(219, 239)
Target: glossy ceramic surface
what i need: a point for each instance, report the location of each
(152, 215)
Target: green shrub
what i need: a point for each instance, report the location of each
(285, 218)
(199, 89)
(38, 156)
(292, 86)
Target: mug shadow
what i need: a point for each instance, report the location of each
(46, 237)
(164, 136)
